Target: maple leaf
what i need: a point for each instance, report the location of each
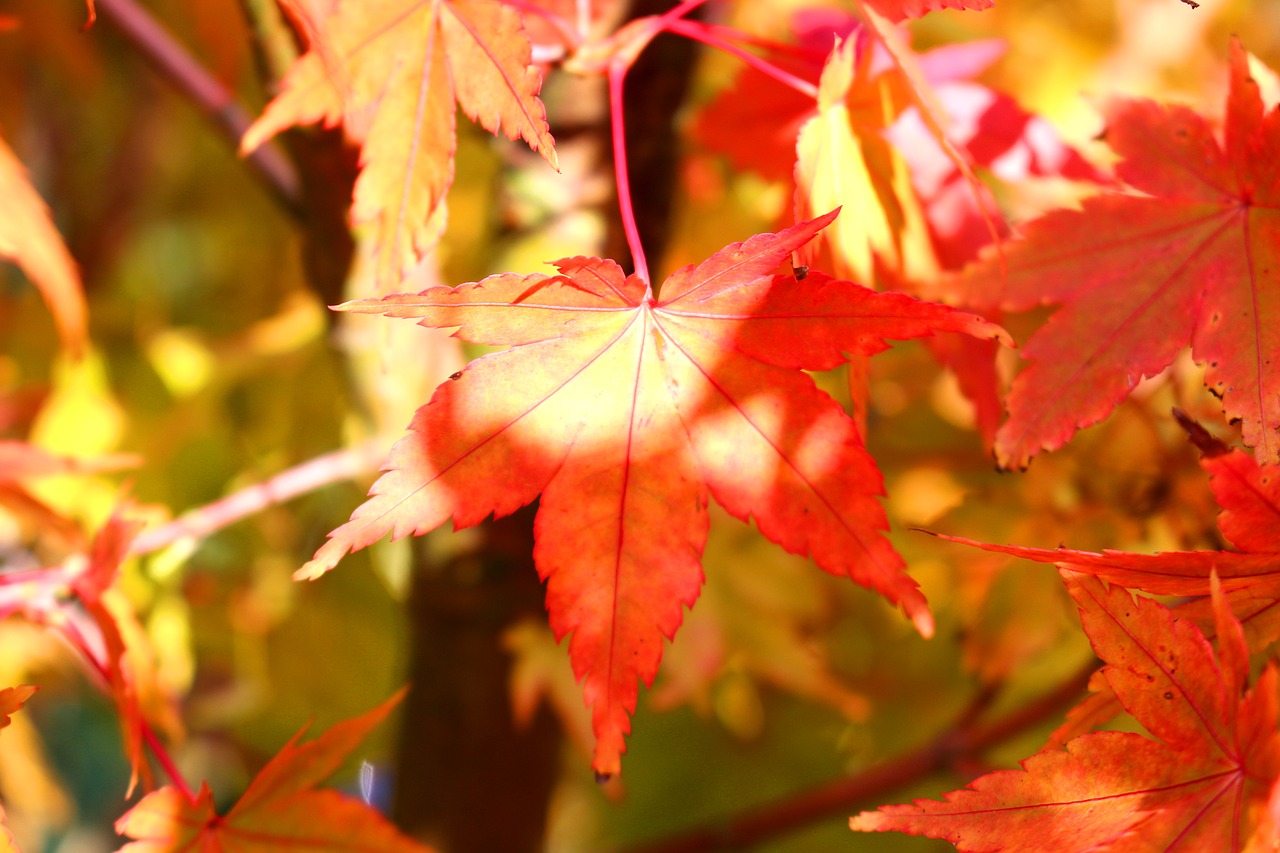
(394, 71)
(864, 142)
(280, 810)
(1194, 260)
(843, 157)
(29, 238)
(12, 700)
(623, 412)
(1198, 786)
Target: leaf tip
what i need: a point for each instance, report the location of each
(923, 620)
(313, 569)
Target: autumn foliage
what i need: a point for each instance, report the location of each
(1098, 320)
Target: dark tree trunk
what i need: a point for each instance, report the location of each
(470, 780)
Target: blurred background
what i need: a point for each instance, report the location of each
(213, 358)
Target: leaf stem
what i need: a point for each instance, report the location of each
(617, 127)
(162, 756)
(671, 21)
(708, 36)
(618, 69)
(964, 739)
(173, 62)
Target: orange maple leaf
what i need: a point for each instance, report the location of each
(623, 411)
(1139, 277)
(1201, 785)
(394, 73)
(280, 810)
(29, 238)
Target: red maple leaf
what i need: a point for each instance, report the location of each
(394, 74)
(1194, 260)
(623, 411)
(280, 810)
(1199, 785)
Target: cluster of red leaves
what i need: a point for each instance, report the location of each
(626, 411)
(866, 140)
(1195, 261)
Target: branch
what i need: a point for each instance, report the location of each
(298, 480)
(174, 63)
(965, 740)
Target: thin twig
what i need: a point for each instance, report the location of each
(300, 479)
(173, 62)
(957, 743)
